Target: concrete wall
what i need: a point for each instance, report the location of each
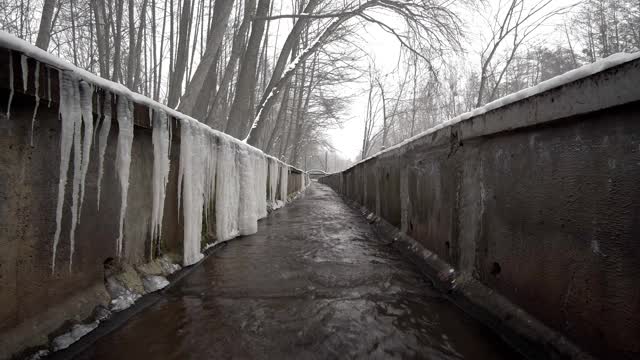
(33, 301)
(537, 201)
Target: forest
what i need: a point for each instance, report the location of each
(280, 74)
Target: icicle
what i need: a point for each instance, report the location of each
(98, 118)
(98, 107)
(260, 184)
(86, 106)
(262, 194)
(25, 72)
(123, 159)
(105, 126)
(11, 86)
(66, 141)
(210, 178)
(161, 164)
(76, 116)
(193, 158)
(35, 110)
(284, 179)
(49, 84)
(170, 126)
(226, 191)
(273, 181)
(247, 219)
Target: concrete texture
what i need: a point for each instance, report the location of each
(537, 202)
(33, 301)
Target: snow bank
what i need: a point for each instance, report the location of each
(214, 168)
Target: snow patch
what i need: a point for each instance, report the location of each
(124, 301)
(77, 332)
(154, 283)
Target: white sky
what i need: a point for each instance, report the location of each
(385, 49)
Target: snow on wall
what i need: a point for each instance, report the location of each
(556, 82)
(214, 168)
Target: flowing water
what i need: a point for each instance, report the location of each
(315, 282)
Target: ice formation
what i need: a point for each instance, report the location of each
(11, 85)
(247, 215)
(86, 106)
(71, 138)
(194, 153)
(284, 182)
(76, 116)
(260, 165)
(66, 141)
(37, 92)
(25, 72)
(160, 139)
(227, 191)
(123, 159)
(218, 175)
(273, 180)
(49, 85)
(105, 127)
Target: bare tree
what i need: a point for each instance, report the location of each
(513, 23)
(422, 18)
(196, 93)
(243, 102)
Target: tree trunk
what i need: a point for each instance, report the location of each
(221, 13)
(175, 88)
(289, 44)
(117, 40)
(272, 91)
(243, 105)
(46, 24)
(217, 115)
(205, 95)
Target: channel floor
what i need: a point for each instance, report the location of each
(315, 282)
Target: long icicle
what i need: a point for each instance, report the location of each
(86, 106)
(105, 127)
(76, 116)
(161, 164)
(35, 110)
(123, 159)
(66, 141)
(49, 85)
(11, 85)
(25, 72)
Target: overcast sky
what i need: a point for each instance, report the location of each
(385, 49)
